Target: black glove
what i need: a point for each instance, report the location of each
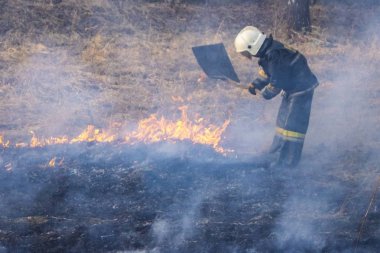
(252, 88)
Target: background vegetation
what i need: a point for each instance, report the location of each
(66, 64)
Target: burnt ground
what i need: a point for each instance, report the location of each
(109, 198)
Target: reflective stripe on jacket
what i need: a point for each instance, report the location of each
(282, 68)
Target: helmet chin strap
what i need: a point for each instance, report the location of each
(246, 54)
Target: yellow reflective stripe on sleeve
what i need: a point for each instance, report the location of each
(292, 139)
(262, 73)
(291, 134)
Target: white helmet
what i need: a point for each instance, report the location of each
(249, 39)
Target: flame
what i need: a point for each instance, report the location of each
(61, 162)
(40, 142)
(52, 162)
(154, 129)
(21, 145)
(91, 134)
(149, 130)
(3, 143)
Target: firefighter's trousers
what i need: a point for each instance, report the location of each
(292, 123)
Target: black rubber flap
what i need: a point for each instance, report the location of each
(215, 62)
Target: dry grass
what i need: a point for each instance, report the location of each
(67, 65)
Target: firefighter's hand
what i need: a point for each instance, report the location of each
(252, 89)
(202, 78)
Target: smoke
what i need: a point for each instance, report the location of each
(53, 94)
(344, 103)
(175, 232)
(340, 140)
(181, 197)
(177, 225)
(160, 230)
(299, 227)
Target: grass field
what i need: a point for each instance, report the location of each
(68, 64)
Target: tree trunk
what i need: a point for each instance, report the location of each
(299, 15)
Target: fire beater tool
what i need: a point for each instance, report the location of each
(215, 63)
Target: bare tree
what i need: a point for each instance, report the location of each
(298, 15)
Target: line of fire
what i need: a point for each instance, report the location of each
(150, 130)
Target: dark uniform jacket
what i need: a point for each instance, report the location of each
(285, 69)
(282, 68)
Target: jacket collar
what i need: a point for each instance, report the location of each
(263, 49)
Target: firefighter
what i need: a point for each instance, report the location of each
(281, 70)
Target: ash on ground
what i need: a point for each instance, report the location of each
(181, 198)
